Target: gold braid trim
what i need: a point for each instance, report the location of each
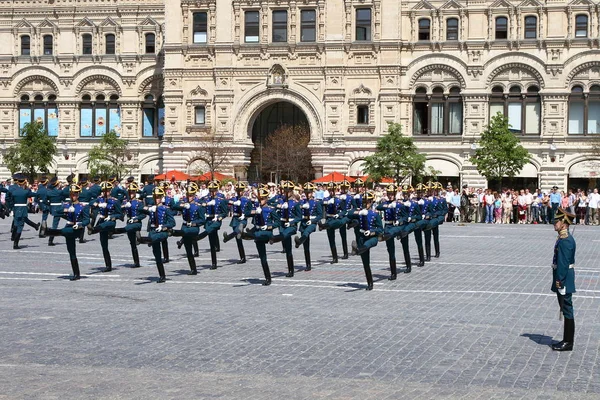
(563, 234)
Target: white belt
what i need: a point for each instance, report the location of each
(84, 203)
(56, 204)
(571, 266)
(331, 215)
(20, 205)
(149, 196)
(389, 222)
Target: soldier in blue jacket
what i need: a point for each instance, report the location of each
(290, 215)
(240, 208)
(95, 192)
(20, 194)
(42, 192)
(85, 197)
(430, 215)
(134, 217)
(563, 276)
(371, 227)
(415, 216)
(147, 191)
(312, 212)
(56, 196)
(161, 221)
(193, 217)
(78, 217)
(391, 227)
(215, 207)
(334, 219)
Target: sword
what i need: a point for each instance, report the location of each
(561, 301)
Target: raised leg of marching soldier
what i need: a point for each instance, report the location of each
(331, 239)
(32, 224)
(55, 222)
(436, 241)
(419, 240)
(427, 233)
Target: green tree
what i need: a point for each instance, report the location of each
(396, 156)
(110, 157)
(33, 152)
(499, 153)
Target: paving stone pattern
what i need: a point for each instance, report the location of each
(475, 323)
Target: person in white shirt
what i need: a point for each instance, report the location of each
(594, 200)
(522, 207)
(489, 206)
(528, 201)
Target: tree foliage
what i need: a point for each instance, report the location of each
(286, 153)
(396, 156)
(110, 157)
(33, 153)
(212, 153)
(499, 153)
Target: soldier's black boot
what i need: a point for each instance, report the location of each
(392, 270)
(421, 258)
(568, 336)
(307, 259)
(345, 250)
(228, 236)
(81, 234)
(119, 231)
(165, 250)
(179, 242)
(427, 251)
(369, 277)
(213, 258)
(240, 246)
(334, 255)
(136, 258)
(75, 267)
(195, 247)
(192, 262)
(247, 235)
(16, 241)
(267, 272)
(437, 249)
(290, 264)
(352, 224)
(142, 239)
(276, 238)
(43, 228)
(299, 241)
(107, 261)
(51, 241)
(13, 232)
(161, 272)
(408, 266)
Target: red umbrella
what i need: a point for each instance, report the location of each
(173, 175)
(383, 180)
(335, 177)
(216, 175)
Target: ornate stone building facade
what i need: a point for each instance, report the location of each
(346, 68)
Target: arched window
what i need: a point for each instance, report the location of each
(452, 29)
(424, 29)
(439, 113)
(530, 27)
(522, 109)
(150, 43)
(581, 26)
(25, 45)
(44, 112)
(99, 116)
(501, 28)
(154, 117)
(109, 47)
(584, 111)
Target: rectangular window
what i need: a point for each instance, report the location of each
(532, 118)
(420, 123)
(150, 43)
(100, 121)
(86, 44)
(576, 118)
(501, 28)
(308, 26)
(452, 29)
(161, 122)
(496, 108)
(52, 121)
(48, 45)
(25, 45)
(363, 24)
(200, 115)
(424, 29)
(148, 128)
(85, 122)
(593, 117)
(24, 116)
(200, 27)
(114, 118)
(514, 117)
(581, 26)
(530, 27)
(455, 116)
(362, 115)
(110, 44)
(251, 27)
(280, 26)
(437, 118)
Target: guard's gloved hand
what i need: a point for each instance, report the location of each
(367, 233)
(309, 222)
(305, 205)
(186, 206)
(102, 205)
(159, 228)
(71, 209)
(363, 212)
(127, 205)
(76, 226)
(263, 228)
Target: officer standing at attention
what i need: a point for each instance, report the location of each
(110, 212)
(147, 191)
(193, 217)
(20, 194)
(370, 228)
(78, 217)
(42, 192)
(563, 276)
(161, 220)
(312, 212)
(134, 217)
(240, 207)
(191, 187)
(118, 192)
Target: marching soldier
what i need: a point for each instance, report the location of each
(563, 276)
(312, 212)
(193, 217)
(147, 191)
(346, 205)
(161, 220)
(95, 192)
(78, 217)
(407, 225)
(429, 215)
(118, 192)
(110, 212)
(240, 207)
(42, 192)
(440, 210)
(415, 215)
(56, 196)
(266, 218)
(86, 197)
(391, 227)
(333, 221)
(20, 194)
(289, 214)
(191, 187)
(215, 211)
(134, 217)
(370, 228)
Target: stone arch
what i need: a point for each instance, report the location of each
(254, 103)
(446, 158)
(151, 84)
(149, 162)
(445, 72)
(515, 66)
(88, 74)
(50, 78)
(592, 66)
(99, 78)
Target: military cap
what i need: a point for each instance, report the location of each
(19, 177)
(345, 184)
(133, 187)
(158, 191)
(150, 178)
(437, 186)
(421, 187)
(192, 187)
(564, 216)
(112, 179)
(83, 181)
(74, 188)
(369, 196)
(96, 179)
(239, 186)
(54, 181)
(298, 187)
(164, 184)
(218, 182)
(213, 185)
(70, 178)
(309, 187)
(391, 188)
(263, 193)
(44, 179)
(331, 185)
(289, 185)
(359, 182)
(263, 186)
(407, 188)
(105, 186)
(130, 179)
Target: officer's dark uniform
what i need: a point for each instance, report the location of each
(563, 278)
(193, 218)
(241, 206)
(440, 209)
(147, 191)
(415, 215)
(117, 192)
(95, 192)
(429, 215)
(56, 197)
(134, 217)
(42, 192)
(161, 220)
(86, 197)
(393, 227)
(371, 227)
(20, 196)
(289, 217)
(109, 212)
(334, 220)
(78, 217)
(312, 212)
(215, 207)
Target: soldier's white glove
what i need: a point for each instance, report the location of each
(397, 223)
(186, 206)
(71, 209)
(215, 219)
(258, 210)
(563, 291)
(336, 216)
(263, 228)
(342, 197)
(137, 196)
(237, 203)
(407, 203)
(305, 205)
(357, 196)
(102, 205)
(421, 202)
(309, 222)
(363, 212)
(159, 228)
(152, 209)
(130, 221)
(242, 217)
(189, 223)
(392, 204)
(128, 205)
(409, 219)
(286, 225)
(76, 226)
(211, 203)
(285, 205)
(331, 201)
(367, 233)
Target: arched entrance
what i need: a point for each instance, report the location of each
(280, 134)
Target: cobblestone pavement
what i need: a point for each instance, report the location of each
(475, 323)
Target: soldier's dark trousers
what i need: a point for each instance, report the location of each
(156, 250)
(70, 236)
(332, 246)
(131, 231)
(365, 256)
(260, 239)
(391, 249)
(406, 251)
(419, 240)
(306, 246)
(436, 241)
(427, 234)
(188, 243)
